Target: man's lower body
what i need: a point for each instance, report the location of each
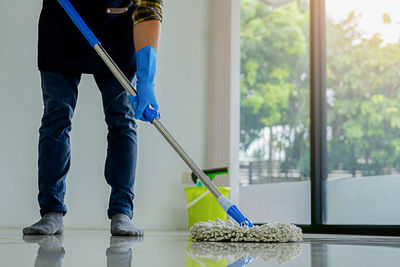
(60, 92)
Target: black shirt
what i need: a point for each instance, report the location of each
(62, 48)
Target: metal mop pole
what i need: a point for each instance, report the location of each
(226, 204)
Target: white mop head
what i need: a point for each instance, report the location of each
(230, 231)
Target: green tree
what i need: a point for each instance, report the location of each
(364, 112)
(363, 88)
(274, 77)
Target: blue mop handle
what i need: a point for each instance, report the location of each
(78, 21)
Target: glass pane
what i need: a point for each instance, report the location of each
(275, 92)
(363, 111)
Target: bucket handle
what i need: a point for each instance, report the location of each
(197, 199)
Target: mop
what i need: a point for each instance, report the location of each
(230, 231)
(257, 233)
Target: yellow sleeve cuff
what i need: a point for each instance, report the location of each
(147, 10)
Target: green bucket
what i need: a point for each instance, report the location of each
(202, 206)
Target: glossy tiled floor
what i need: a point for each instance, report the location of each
(96, 248)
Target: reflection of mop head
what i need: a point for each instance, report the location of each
(282, 253)
(231, 231)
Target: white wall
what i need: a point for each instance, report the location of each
(182, 93)
(277, 202)
(364, 200)
(224, 98)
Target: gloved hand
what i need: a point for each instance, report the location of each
(149, 113)
(146, 60)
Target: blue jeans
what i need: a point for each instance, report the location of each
(60, 91)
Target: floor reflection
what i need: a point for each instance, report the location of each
(239, 254)
(97, 248)
(50, 252)
(119, 254)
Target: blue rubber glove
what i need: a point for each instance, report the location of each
(149, 113)
(146, 61)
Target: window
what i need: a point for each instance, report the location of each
(363, 112)
(275, 92)
(351, 91)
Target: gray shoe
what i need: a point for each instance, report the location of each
(50, 224)
(121, 225)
